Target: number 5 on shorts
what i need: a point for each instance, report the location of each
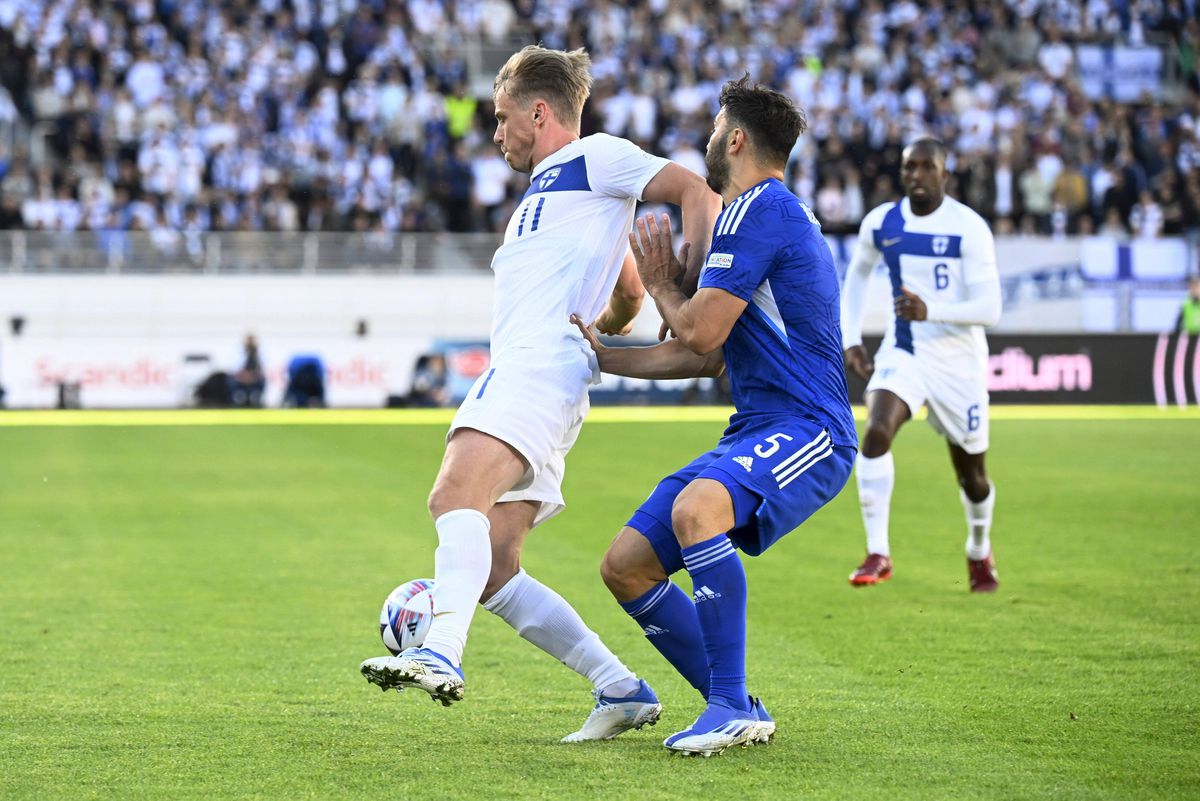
(774, 440)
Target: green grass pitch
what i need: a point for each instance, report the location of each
(184, 607)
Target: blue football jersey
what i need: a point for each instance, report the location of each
(784, 353)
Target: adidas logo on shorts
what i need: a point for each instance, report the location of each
(744, 461)
(651, 630)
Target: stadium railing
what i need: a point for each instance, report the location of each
(283, 253)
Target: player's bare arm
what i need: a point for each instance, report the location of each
(624, 303)
(670, 359)
(703, 322)
(700, 206)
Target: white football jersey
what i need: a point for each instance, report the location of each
(567, 239)
(937, 257)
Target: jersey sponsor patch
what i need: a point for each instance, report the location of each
(721, 261)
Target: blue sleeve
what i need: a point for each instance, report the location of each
(739, 263)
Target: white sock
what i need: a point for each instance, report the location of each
(462, 562)
(875, 480)
(542, 616)
(979, 523)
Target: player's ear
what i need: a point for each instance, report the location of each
(737, 140)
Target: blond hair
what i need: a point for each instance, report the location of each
(561, 78)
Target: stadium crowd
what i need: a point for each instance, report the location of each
(192, 115)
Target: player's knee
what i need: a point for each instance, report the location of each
(877, 441)
(614, 572)
(625, 578)
(503, 570)
(446, 496)
(975, 484)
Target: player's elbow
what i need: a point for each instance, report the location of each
(702, 342)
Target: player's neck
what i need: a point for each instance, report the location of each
(552, 141)
(741, 180)
(927, 207)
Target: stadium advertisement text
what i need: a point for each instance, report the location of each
(1088, 368)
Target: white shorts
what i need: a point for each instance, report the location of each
(958, 405)
(535, 402)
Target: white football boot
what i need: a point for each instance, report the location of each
(417, 667)
(613, 715)
(764, 726)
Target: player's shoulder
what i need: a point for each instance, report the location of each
(606, 145)
(874, 218)
(766, 207)
(971, 220)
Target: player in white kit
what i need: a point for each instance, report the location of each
(941, 259)
(565, 253)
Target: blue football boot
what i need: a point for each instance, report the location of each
(718, 727)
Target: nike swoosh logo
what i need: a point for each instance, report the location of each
(887, 243)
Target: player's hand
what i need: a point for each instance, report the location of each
(604, 324)
(664, 331)
(589, 334)
(653, 250)
(859, 362)
(909, 306)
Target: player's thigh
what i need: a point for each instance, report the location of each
(545, 489)
(531, 401)
(958, 410)
(476, 470)
(652, 520)
(703, 509)
(898, 373)
(778, 474)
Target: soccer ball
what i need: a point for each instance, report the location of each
(406, 615)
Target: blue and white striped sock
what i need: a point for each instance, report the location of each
(719, 592)
(668, 619)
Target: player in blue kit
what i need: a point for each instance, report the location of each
(767, 310)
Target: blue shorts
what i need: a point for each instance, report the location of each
(778, 470)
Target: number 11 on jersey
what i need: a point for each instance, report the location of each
(537, 216)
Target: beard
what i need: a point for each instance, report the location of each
(717, 165)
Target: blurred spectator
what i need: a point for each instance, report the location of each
(429, 381)
(306, 382)
(1146, 219)
(249, 380)
(1189, 312)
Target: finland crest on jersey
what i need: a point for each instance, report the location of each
(566, 241)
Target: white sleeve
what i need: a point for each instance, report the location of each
(982, 306)
(858, 279)
(619, 168)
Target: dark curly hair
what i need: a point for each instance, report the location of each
(770, 119)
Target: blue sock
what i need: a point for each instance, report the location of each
(719, 590)
(668, 619)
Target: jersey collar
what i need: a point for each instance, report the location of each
(557, 155)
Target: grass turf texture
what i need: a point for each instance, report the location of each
(184, 609)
